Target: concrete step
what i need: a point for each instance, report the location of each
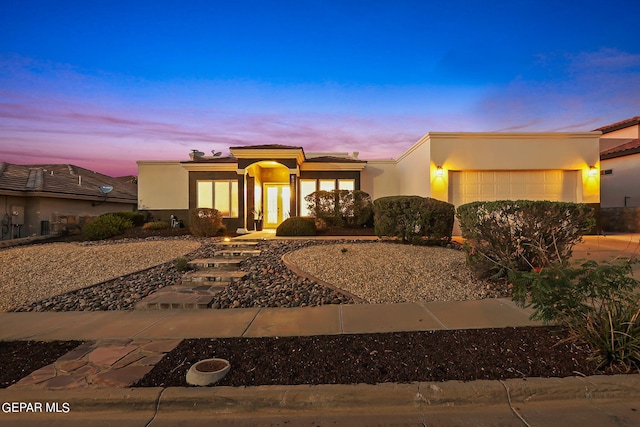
(238, 244)
(217, 262)
(212, 275)
(180, 298)
(238, 252)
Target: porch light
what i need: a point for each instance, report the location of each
(593, 171)
(439, 171)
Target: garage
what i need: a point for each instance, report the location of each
(553, 185)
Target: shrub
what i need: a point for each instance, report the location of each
(105, 226)
(204, 222)
(521, 235)
(414, 219)
(297, 226)
(181, 264)
(136, 218)
(341, 207)
(599, 303)
(156, 225)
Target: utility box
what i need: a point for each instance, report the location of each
(17, 215)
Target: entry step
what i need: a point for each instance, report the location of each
(238, 252)
(238, 244)
(213, 276)
(216, 262)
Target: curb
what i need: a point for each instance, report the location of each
(303, 400)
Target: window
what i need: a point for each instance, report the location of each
(346, 184)
(226, 197)
(307, 186)
(327, 184)
(204, 194)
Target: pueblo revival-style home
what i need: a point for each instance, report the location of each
(273, 180)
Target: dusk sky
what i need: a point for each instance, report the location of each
(101, 84)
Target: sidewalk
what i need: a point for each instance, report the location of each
(262, 322)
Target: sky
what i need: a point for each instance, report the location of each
(102, 84)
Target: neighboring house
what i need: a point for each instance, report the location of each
(620, 164)
(44, 199)
(620, 180)
(454, 167)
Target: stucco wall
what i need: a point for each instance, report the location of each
(379, 179)
(623, 181)
(413, 169)
(517, 151)
(162, 185)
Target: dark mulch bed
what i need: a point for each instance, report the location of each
(443, 355)
(20, 358)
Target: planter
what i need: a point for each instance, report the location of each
(257, 225)
(208, 371)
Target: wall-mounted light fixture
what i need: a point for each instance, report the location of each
(439, 171)
(593, 171)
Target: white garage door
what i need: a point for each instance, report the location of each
(472, 186)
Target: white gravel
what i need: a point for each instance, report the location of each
(33, 273)
(393, 273)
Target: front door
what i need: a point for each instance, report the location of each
(276, 203)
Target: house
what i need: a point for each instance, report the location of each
(43, 199)
(620, 175)
(454, 167)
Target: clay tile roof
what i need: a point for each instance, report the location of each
(267, 147)
(620, 125)
(334, 159)
(228, 159)
(70, 180)
(631, 147)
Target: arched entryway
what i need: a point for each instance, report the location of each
(269, 193)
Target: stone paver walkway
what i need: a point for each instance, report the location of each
(102, 363)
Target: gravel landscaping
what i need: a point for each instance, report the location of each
(38, 276)
(394, 273)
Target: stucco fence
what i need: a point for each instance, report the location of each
(623, 220)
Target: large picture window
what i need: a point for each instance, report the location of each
(226, 197)
(219, 194)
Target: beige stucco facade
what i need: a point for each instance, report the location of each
(568, 161)
(162, 185)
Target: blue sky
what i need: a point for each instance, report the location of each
(102, 84)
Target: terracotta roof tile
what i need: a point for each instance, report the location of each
(334, 159)
(625, 149)
(63, 179)
(619, 125)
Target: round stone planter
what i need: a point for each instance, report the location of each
(208, 371)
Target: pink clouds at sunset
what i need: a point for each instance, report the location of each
(327, 77)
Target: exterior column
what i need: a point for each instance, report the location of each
(293, 188)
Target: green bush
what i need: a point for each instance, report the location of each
(204, 222)
(156, 225)
(105, 226)
(521, 235)
(414, 219)
(599, 303)
(297, 226)
(352, 208)
(181, 264)
(136, 218)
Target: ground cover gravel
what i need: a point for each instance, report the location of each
(38, 272)
(382, 272)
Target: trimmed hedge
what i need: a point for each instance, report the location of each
(156, 225)
(205, 222)
(414, 219)
(297, 226)
(521, 235)
(105, 226)
(352, 208)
